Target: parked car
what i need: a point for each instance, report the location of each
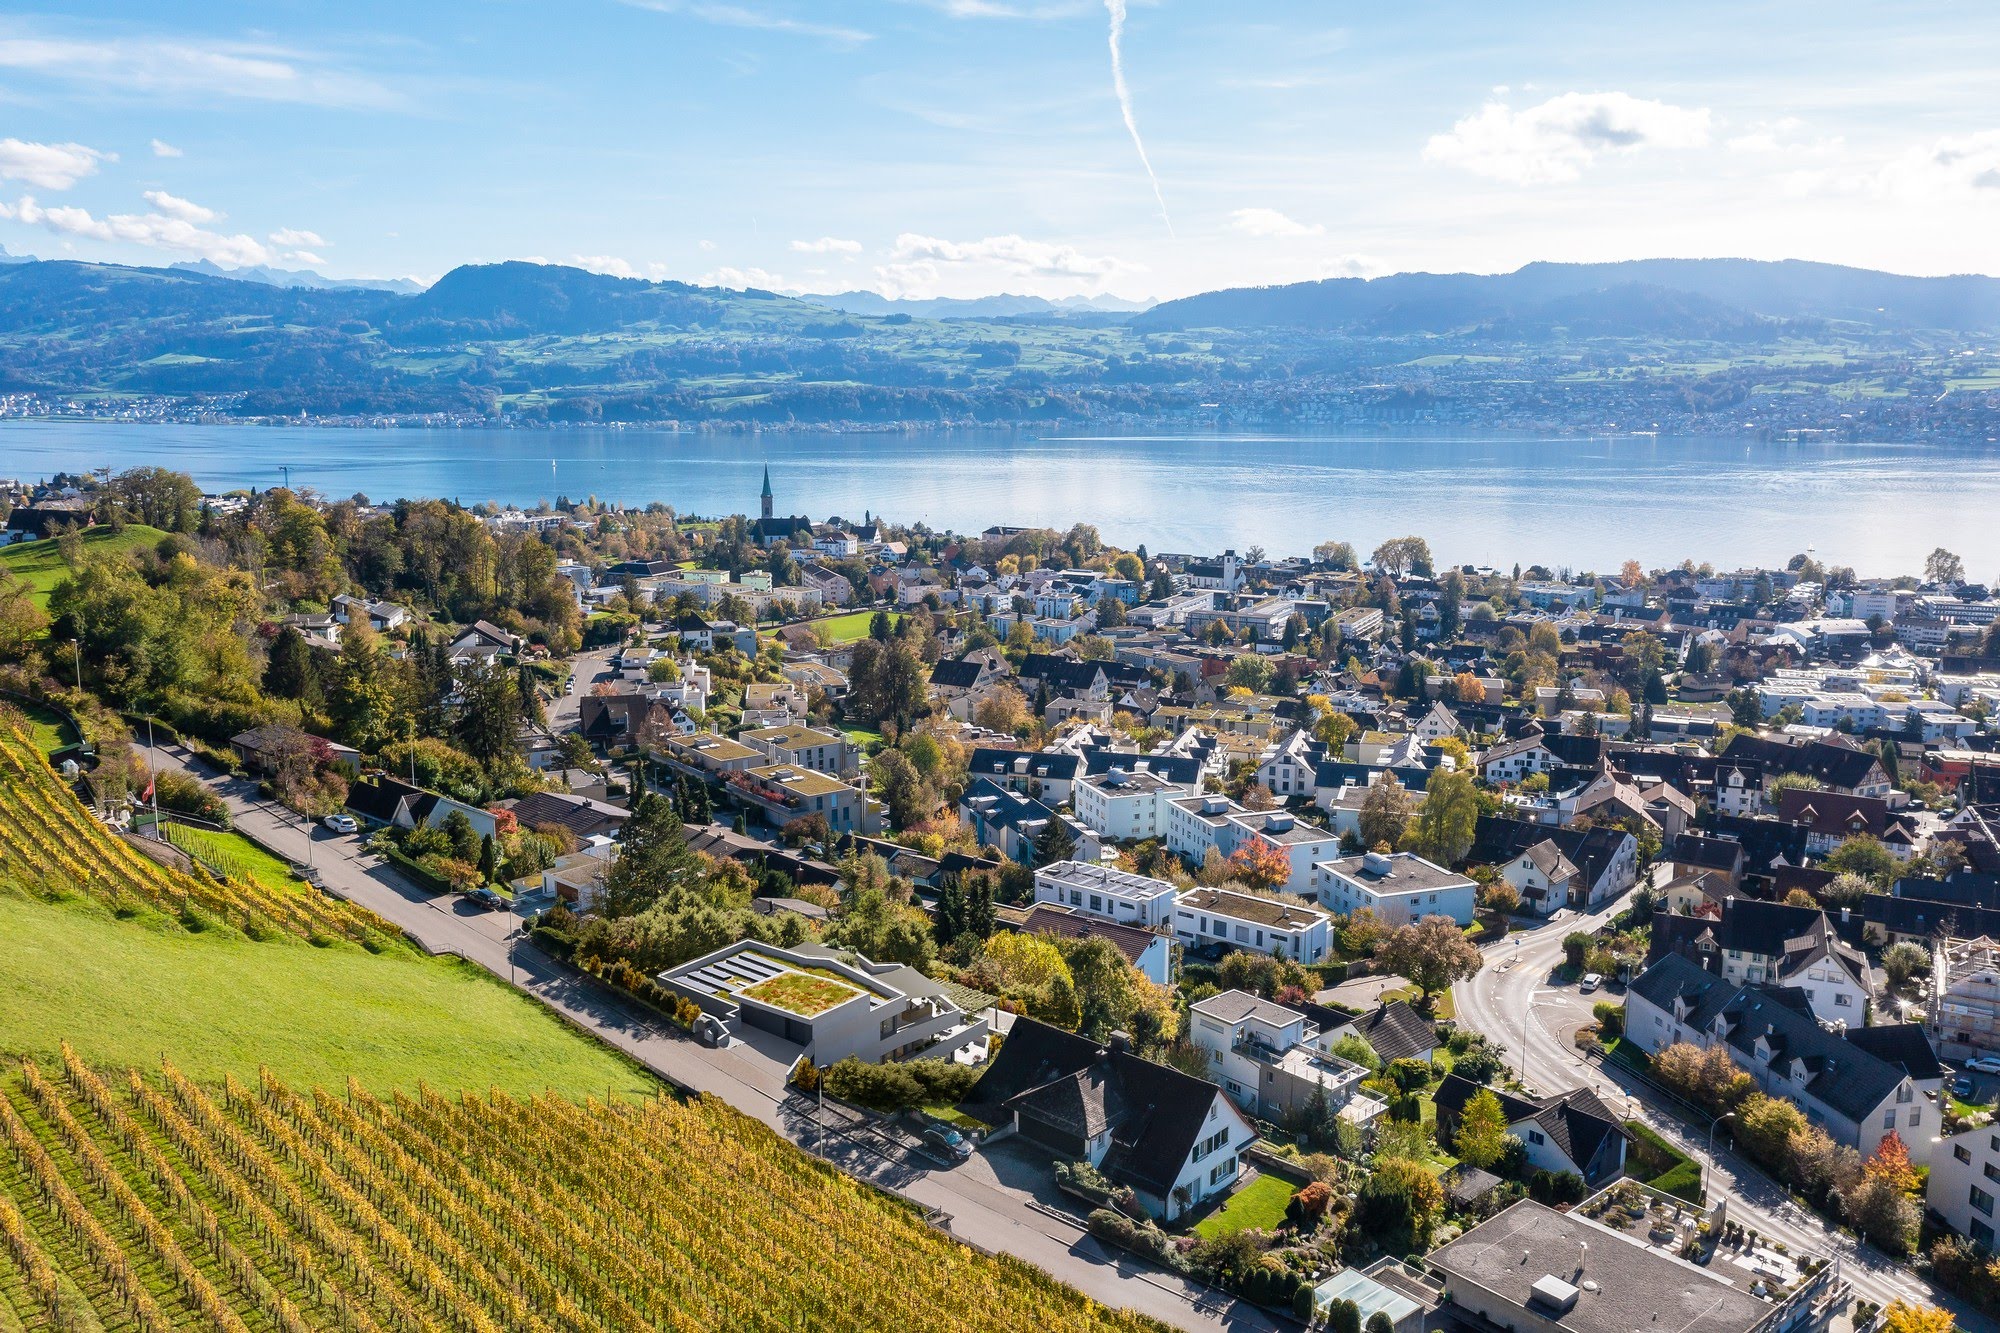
(1985, 1064)
(946, 1142)
(342, 823)
(1591, 981)
(1962, 1088)
(487, 898)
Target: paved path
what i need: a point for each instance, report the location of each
(988, 1198)
(1515, 1001)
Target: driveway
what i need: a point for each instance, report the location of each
(989, 1201)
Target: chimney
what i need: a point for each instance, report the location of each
(1119, 1042)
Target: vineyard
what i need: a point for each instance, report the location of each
(51, 846)
(156, 1203)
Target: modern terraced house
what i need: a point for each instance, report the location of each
(829, 1003)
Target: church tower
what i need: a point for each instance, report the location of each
(767, 490)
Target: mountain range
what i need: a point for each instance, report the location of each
(1003, 306)
(295, 277)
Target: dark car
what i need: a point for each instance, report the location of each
(1962, 1088)
(946, 1142)
(488, 899)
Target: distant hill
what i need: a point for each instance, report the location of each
(1003, 306)
(518, 299)
(65, 296)
(295, 277)
(1636, 297)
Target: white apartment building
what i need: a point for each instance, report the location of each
(1263, 925)
(1400, 887)
(1126, 804)
(1269, 1059)
(1964, 1020)
(1965, 1180)
(1107, 892)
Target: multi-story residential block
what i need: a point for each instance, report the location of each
(1857, 1083)
(1399, 887)
(806, 747)
(1773, 944)
(1965, 1181)
(1284, 926)
(1108, 892)
(1964, 1018)
(1127, 804)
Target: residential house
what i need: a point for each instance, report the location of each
(1831, 818)
(1283, 926)
(1128, 804)
(1394, 1031)
(784, 792)
(1400, 887)
(1964, 1017)
(1605, 859)
(1175, 1140)
(582, 816)
(1756, 942)
(829, 1004)
(379, 616)
(1574, 1131)
(1545, 879)
(1857, 1083)
(1107, 892)
(810, 748)
(384, 802)
(1692, 854)
(1045, 775)
(1149, 951)
(261, 750)
(1270, 1059)
(1836, 767)
(1014, 823)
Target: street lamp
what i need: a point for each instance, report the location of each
(1726, 1115)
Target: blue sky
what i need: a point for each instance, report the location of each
(960, 147)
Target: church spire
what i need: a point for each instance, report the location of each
(767, 490)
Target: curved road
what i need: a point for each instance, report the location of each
(1515, 1000)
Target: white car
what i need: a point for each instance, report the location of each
(1985, 1064)
(1591, 981)
(342, 823)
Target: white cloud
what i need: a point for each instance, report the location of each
(165, 66)
(1270, 222)
(1954, 165)
(827, 245)
(174, 206)
(1353, 266)
(48, 166)
(154, 231)
(706, 245)
(1555, 140)
(306, 257)
(999, 9)
(161, 148)
(737, 279)
(609, 265)
(740, 16)
(921, 265)
(294, 236)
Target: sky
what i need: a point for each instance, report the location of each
(923, 148)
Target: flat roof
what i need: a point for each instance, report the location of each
(1250, 907)
(790, 777)
(1371, 1296)
(1408, 873)
(1634, 1287)
(792, 736)
(712, 746)
(1106, 879)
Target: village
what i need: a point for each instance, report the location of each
(1187, 892)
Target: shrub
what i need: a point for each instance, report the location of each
(1343, 1316)
(1309, 1205)
(1555, 1187)
(1107, 1225)
(1610, 1019)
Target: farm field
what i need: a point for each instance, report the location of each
(152, 1201)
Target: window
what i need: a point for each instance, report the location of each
(1212, 1142)
(1982, 1234)
(1905, 1095)
(1991, 1171)
(1962, 1153)
(1916, 1116)
(1982, 1201)
(1535, 1137)
(1889, 1118)
(1843, 1000)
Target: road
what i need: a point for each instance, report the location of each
(991, 1198)
(1515, 1000)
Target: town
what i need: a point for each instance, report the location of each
(1330, 938)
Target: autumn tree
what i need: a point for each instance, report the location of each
(1432, 953)
(1482, 1130)
(1261, 865)
(1942, 567)
(1402, 555)
(1385, 813)
(1902, 1317)
(1448, 818)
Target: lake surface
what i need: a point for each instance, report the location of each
(1585, 503)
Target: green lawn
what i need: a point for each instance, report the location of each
(862, 736)
(852, 626)
(956, 1118)
(41, 565)
(45, 727)
(233, 854)
(801, 993)
(1261, 1203)
(1446, 1008)
(124, 993)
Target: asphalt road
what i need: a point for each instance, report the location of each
(1516, 1001)
(990, 1198)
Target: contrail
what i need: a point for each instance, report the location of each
(1117, 10)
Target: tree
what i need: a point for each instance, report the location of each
(363, 706)
(1261, 865)
(1398, 1204)
(289, 672)
(1766, 1125)
(1343, 1316)
(1901, 1317)
(1891, 1163)
(1904, 960)
(1864, 856)
(488, 713)
(1942, 567)
(22, 620)
(1385, 813)
(1379, 1322)
(1402, 555)
(1249, 672)
(904, 792)
(653, 859)
(1448, 818)
(1432, 952)
(1882, 1213)
(1055, 842)
(1482, 1130)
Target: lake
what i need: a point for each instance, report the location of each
(1584, 503)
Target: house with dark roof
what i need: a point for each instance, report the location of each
(1693, 854)
(1831, 818)
(1836, 767)
(1014, 823)
(1394, 1031)
(1756, 942)
(1046, 775)
(1574, 1131)
(1856, 1083)
(579, 814)
(1604, 860)
(1174, 1139)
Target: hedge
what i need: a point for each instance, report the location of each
(1676, 1173)
(425, 877)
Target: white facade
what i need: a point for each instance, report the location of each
(1400, 888)
(1965, 1181)
(1260, 925)
(1106, 892)
(1127, 806)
